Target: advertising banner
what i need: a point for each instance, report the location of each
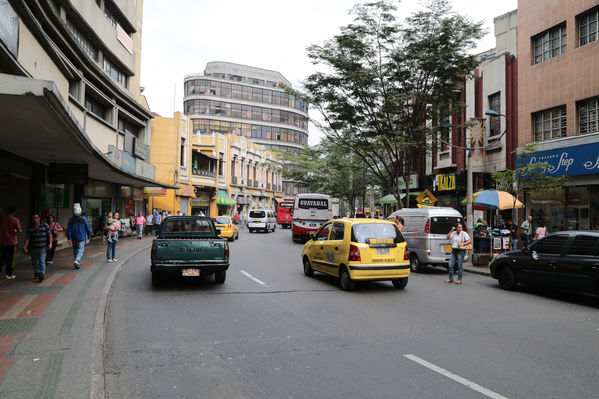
(567, 161)
(9, 27)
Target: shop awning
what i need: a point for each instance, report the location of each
(390, 199)
(223, 199)
(37, 124)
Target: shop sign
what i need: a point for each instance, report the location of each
(154, 192)
(9, 27)
(138, 194)
(185, 191)
(445, 182)
(67, 173)
(426, 199)
(98, 189)
(202, 200)
(126, 192)
(242, 200)
(567, 161)
(128, 162)
(413, 182)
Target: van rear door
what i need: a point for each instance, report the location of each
(439, 227)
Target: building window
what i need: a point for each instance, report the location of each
(550, 124)
(550, 43)
(588, 27)
(112, 71)
(221, 165)
(588, 116)
(494, 122)
(95, 107)
(87, 47)
(124, 126)
(182, 159)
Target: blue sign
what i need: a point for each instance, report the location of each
(128, 162)
(567, 161)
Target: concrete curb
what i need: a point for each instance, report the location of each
(483, 271)
(97, 389)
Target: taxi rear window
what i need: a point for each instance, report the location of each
(221, 220)
(363, 231)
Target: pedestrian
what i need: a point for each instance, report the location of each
(541, 231)
(459, 239)
(242, 220)
(526, 235)
(157, 222)
(140, 221)
(149, 223)
(202, 213)
(513, 228)
(36, 243)
(236, 218)
(10, 226)
(55, 228)
(113, 230)
(78, 231)
(399, 222)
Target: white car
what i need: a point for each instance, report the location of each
(262, 219)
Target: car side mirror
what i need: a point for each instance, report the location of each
(218, 232)
(313, 237)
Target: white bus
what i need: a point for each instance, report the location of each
(309, 212)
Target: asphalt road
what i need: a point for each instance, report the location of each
(271, 332)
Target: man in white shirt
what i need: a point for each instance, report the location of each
(149, 223)
(459, 239)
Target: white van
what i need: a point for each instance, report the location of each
(425, 230)
(262, 219)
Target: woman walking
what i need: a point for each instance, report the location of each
(55, 228)
(36, 243)
(140, 221)
(113, 232)
(541, 231)
(459, 239)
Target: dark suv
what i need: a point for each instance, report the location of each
(566, 259)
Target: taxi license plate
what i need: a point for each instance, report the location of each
(190, 272)
(381, 241)
(382, 251)
(312, 224)
(447, 248)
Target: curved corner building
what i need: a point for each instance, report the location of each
(249, 102)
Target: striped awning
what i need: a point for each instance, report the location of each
(223, 199)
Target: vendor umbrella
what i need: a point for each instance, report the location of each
(494, 199)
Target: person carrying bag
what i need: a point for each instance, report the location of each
(460, 243)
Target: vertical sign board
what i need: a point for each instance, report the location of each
(9, 27)
(128, 163)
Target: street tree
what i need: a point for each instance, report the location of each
(380, 82)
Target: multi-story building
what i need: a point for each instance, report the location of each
(214, 173)
(558, 97)
(75, 127)
(248, 102)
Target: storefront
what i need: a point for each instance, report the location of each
(185, 193)
(225, 204)
(201, 203)
(575, 206)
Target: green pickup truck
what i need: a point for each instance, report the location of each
(189, 246)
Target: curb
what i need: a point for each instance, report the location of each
(97, 389)
(483, 271)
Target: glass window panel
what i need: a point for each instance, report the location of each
(246, 93)
(257, 94)
(267, 96)
(226, 90)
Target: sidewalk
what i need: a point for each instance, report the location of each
(52, 333)
(470, 268)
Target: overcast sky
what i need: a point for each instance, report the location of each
(181, 37)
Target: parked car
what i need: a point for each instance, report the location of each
(357, 250)
(565, 259)
(262, 219)
(229, 228)
(189, 246)
(425, 231)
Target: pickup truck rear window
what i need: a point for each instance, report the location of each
(186, 226)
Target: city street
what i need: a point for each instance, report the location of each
(271, 332)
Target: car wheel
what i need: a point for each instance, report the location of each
(415, 265)
(507, 280)
(345, 281)
(155, 279)
(230, 239)
(250, 230)
(400, 283)
(308, 271)
(220, 277)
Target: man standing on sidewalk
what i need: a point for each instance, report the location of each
(140, 221)
(9, 227)
(37, 242)
(149, 223)
(78, 231)
(157, 221)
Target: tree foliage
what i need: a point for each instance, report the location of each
(380, 82)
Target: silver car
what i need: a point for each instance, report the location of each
(425, 231)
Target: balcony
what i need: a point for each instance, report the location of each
(203, 172)
(249, 182)
(233, 179)
(255, 184)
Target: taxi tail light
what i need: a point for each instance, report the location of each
(226, 251)
(427, 228)
(406, 253)
(354, 254)
(229, 226)
(153, 253)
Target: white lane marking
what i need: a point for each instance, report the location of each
(455, 377)
(253, 278)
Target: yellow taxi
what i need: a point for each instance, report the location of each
(229, 229)
(358, 249)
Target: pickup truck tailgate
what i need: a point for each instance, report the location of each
(188, 251)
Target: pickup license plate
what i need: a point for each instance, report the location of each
(190, 272)
(382, 251)
(447, 248)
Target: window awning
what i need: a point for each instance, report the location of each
(223, 199)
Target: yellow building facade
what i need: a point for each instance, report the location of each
(217, 174)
